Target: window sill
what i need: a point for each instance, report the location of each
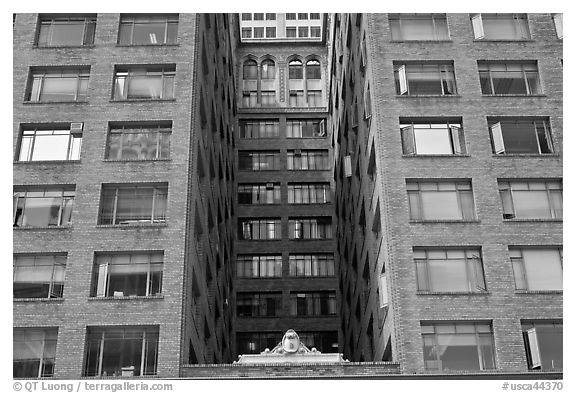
(136, 160)
(258, 278)
(307, 170)
(146, 100)
(146, 45)
(258, 204)
(538, 292)
(514, 95)
(428, 95)
(434, 155)
(423, 41)
(503, 40)
(134, 225)
(291, 138)
(61, 227)
(131, 297)
(546, 155)
(307, 240)
(477, 293)
(54, 102)
(38, 299)
(64, 47)
(442, 221)
(310, 204)
(533, 219)
(259, 240)
(44, 162)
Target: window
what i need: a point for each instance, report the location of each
(367, 103)
(246, 32)
(290, 32)
(43, 207)
(58, 85)
(303, 31)
(295, 69)
(249, 98)
(315, 97)
(268, 97)
(449, 270)
(258, 194)
(514, 78)
(314, 16)
(268, 69)
(296, 98)
(144, 29)
(290, 16)
(531, 199)
(121, 351)
(259, 229)
(128, 274)
(520, 136)
(133, 204)
(543, 344)
(302, 16)
(139, 141)
(325, 342)
(258, 304)
(458, 346)
(310, 228)
(500, 27)
(258, 16)
(424, 79)
(250, 70)
(66, 31)
(270, 16)
(442, 136)
(440, 200)
(305, 128)
(303, 193)
(34, 352)
(270, 32)
(259, 266)
(308, 160)
(256, 342)
(246, 16)
(259, 160)
(418, 27)
(39, 276)
(315, 32)
(559, 24)
(150, 83)
(49, 142)
(310, 304)
(537, 269)
(311, 265)
(255, 129)
(259, 32)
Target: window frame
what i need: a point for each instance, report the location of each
(295, 128)
(159, 190)
(39, 76)
(310, 228)
(314, 303)
(258, 304)
(48, 346)
(536, 353)
(256, 160)
(309, 193)
(162, 130)
(545, 146)
(259, 229)
(518, 261)
(461, 188)
(486, 70)
(520, 21)
(261, 193)
(509, 210)
(66, 197)
(57, 279)
(249, 266)
(130, 20)
(436, 26)
(454, 129)
(259, 128)
(29, 138)
(446, 77)
(129, 73)
(311, 265)
(88, 32)
(308, 160)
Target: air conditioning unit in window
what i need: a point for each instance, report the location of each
(76, 128)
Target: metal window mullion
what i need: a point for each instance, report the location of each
(528, 92)
(478, 349)
(523, 264)
(535, 127)
(143, 355)
(101, 353)
(133, 23)
(154, 197)
(42, 355)
(434, 32)
(115, 208)
(166, 31)
(512, 200)
(549, 198)
(158, 147)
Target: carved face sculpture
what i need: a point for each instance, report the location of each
(290, 341)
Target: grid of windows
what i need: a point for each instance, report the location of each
(418, 27)
(537, 269)
(48, 207)
(424, 78)
(121, 351)
(146, 29)
(259, 229)
(133, 204)
(139, 141)
(449, 270)
(255, 129)
(440, 200)
(311, 265)
(441, 136)
(39, 275)
(58, 85)
(520, 136)
(34, 352)
(49, 142)
(144, 83)
(531, 199)
(513, 78)
(259, 194)
(128, 274)
(259, 266)
(308, 160)
(309, 304)
(258, 304)
(310, 228)
(258, 160)
(66, 31)
(304, 193)
(458, 346)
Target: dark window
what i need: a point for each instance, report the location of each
(255, 129)
(121, 351)
(43, 207)
(130, 204)
(250, 70)
(259, 229)
(146, 29)
(291, 32)
(259, 266)
(58, 85)
(66, 31)
(304, 193)
(312, 303)
(310, 228)
(34, 352)
(258, 304)
(543, 344)
(325, 342)
(514, 78)
(313, 70)
(270, 32)
(139, 141)
(520, 136)
(39, 276)
(259, 194)
(290, 16)
(256, 342)
(258, 160)
(311, 265)
(295, 69)
(144, 83)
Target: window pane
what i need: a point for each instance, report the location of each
(531, 204)
(433, 141)
(68, 33)
(543, 269)
(448, 275)
(440, 205)
(458, 352)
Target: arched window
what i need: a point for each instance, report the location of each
(250, 69)
(268, 69)
(313, 69)
(295, 69)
